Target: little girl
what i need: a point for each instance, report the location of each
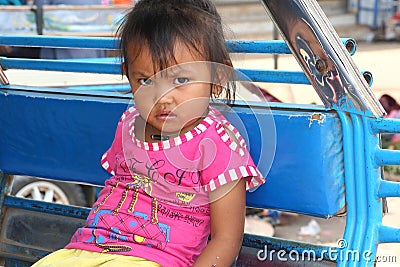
(179, 169)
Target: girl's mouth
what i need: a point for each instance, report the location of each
(165, 115)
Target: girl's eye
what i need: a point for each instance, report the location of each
(145, 81)
(181, 80)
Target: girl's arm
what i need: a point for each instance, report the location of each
(227, 211)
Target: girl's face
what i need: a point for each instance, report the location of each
(174, 99)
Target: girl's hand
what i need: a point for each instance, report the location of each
(227, 212)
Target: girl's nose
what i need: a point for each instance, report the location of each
(165, 96)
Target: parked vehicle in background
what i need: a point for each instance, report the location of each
(50, 191)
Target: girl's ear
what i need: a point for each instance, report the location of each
(221, 79)
(124, 69)
(217, 90)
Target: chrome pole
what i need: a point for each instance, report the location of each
(322, 56)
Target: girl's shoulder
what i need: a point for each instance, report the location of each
(227, 132)
(129, 112)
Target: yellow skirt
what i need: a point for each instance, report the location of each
(83, 258)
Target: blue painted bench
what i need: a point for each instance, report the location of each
(317, 160)
(62, 135)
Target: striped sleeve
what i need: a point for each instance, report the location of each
(232, 161)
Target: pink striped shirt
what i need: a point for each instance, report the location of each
(155, 205)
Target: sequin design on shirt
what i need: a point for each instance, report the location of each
(141, 227)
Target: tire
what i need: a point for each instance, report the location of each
(49, 191)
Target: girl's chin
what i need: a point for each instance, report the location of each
(173, 128)
(169, 131)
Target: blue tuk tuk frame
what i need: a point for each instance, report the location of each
(361, 123)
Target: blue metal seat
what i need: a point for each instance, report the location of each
(62, 135)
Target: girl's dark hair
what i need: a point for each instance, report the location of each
(158, 24)
(389, 103)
